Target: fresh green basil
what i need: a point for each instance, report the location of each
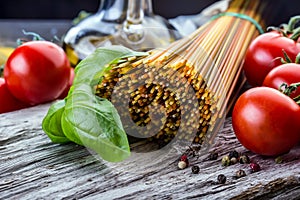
(87, 119)
(94, 122)
(52, 123)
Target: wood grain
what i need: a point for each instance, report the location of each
(32, 167)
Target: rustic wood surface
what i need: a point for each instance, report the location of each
(32, 167)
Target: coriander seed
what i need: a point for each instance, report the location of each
(233, 160)
(182, 164)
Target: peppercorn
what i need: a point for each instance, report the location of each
(233, 154)
(221, 178)
(233, 160)
(213, 156)
(254, 167)
(195, 169)
(226, 161)
(278, 160)
(184, 158)
(244, 159)
(182, 164)
(240, 173)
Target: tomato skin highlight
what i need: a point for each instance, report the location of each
(264, 54)
(287, 73)
(266, 122)
(37, 72)
(8, 102)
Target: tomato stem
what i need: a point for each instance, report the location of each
(297, 99)
(297, 60)
(280, 30)
(296, 34)
(288, 30)
(292, 23)
(291, 27)
(289, 89)
(286, 58)
(35, 37)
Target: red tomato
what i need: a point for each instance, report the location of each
(266, 121)
(66, 91)
(263, 55)
(37, 72)
(286, 73)
(7, 101)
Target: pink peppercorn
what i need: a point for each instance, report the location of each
(254, 167)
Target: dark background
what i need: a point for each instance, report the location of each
(69, 9)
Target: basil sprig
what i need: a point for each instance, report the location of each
(86, 119)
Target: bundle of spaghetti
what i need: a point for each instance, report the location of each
(184, 90)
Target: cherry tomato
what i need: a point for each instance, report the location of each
(264, 54)
(66, 91)
(37, 72)
(266, 121)
(286, 73)
(8, 102)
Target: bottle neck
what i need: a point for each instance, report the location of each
(137, 9)
(113, 10)
(148, 9)
(135, 12)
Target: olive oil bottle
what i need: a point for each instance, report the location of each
(130, 23)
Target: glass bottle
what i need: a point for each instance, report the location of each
(143, 30)
(78, 41)
(130, 23)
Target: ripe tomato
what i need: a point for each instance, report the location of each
(37, 72)
(66, 91)
(263, 55)
(287, 73)
(266, 121)
(7, 101)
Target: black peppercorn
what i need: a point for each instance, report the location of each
(213, 156)
(244, 159)
(240, 173)
(195, 169)
(233, 154)
(221, 178)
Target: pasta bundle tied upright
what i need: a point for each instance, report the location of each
(185, 90)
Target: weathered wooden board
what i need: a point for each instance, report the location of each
(32, 167)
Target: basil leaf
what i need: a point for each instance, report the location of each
(92, 121)
(95, 123)
(97, 62)
(52, 123)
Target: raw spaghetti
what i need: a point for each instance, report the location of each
(185, 90)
